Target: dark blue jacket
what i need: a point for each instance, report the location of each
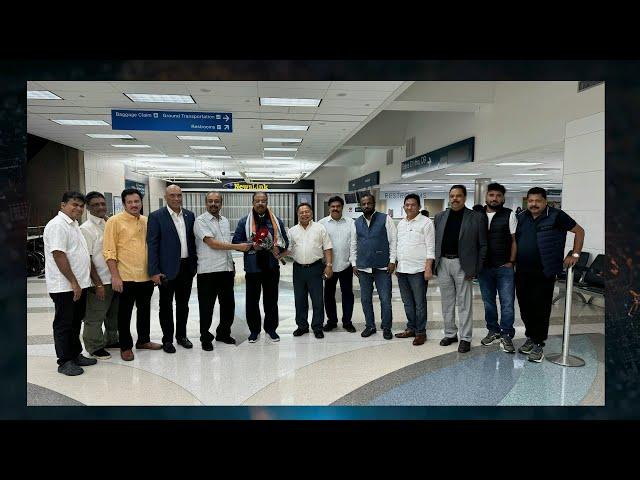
(250, 262)
(373, 244)
(163, 243)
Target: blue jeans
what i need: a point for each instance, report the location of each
(383, 285)
(413, 290)
(498, 280)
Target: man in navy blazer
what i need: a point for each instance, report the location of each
(172, 264)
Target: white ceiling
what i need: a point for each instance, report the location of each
(346, 107)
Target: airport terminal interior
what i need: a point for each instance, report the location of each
(308, 141)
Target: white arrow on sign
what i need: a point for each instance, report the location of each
(226, 118)
(226, 127)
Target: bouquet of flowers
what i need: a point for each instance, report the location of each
(263, 238)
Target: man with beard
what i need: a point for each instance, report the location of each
(262, 270)
(461, 247)
(541, 235)
(497, 275)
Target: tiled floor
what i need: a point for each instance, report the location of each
(341, 369)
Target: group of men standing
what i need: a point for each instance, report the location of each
(98, 271)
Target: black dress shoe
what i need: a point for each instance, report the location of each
(319, 334)
(227, 340)
(168, 347)
(329, 326)
(448, 341)
(368, 331)
(386, 333)
(300, 331)
(207, 346)
(464, 346)
(185, 342)
(349, 328)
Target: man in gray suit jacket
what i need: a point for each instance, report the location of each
(461, 247)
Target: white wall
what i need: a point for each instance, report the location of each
(103, 176)
(583, 179)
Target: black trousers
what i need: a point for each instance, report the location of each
(138, 293)
(307, 281)
(181, 288)
(346, 287)
(267, 283)
(535, 294)
(212, 286)
(67, 323)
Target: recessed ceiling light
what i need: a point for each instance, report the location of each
(290, 102)
(42, 95)
(282, 140)
(131, 146)
(108, 135)
(196, 137)
(286, 127)
(455, 174)
(517, 164)
(280, 149)
(278, 158)
(155, 98)
(214, 156)
(156, 155)
(531, 174)
(80, 122)
(207, 147)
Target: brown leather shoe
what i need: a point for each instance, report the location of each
(126, 355)
(149, 346)
(420, 339)
(406, 334)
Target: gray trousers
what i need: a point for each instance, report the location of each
(100, 312)
(455, 290)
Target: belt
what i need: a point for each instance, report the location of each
(308, 264)
(450, 256)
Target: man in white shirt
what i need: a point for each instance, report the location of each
(342, 234)
(416, 253)
(172, 264)
(309, 243)
(67, 273)
(216, 271)
(375, 261)
(102, 304)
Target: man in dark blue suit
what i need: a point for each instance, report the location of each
(172, 264)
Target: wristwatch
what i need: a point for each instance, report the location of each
(329, 264)
(575, 255)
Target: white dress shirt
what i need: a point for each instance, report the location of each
(416, 244)
(93, 232)
(212, 259)
(513, 221)
(392, 238)
(343, 237)
(307, 245)
(178, 219)
(63, 234)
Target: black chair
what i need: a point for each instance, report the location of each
(579, 270)
(594, 277)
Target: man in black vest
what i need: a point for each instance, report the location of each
(497, 275)
(540, 237)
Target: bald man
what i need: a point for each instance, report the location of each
(172, 264)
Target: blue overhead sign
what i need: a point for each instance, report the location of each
(170, 121)
(457, 153)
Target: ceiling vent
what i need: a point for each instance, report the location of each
(410, 149)
(390, 157)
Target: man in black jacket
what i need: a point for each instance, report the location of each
(497, 276)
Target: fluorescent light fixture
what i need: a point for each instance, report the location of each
(80, 122)
(516, 164)
(422, 181)
(289, 102)
(131, 146)
(207, 147)
(303, 128)
(195, 137)
(214, 156)
(156, 155)
(155, 98)
(280, 149)
(109, 135)
(42, 95)
(282, 140)
(456, 174)
(279, 158)
(531, 174)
